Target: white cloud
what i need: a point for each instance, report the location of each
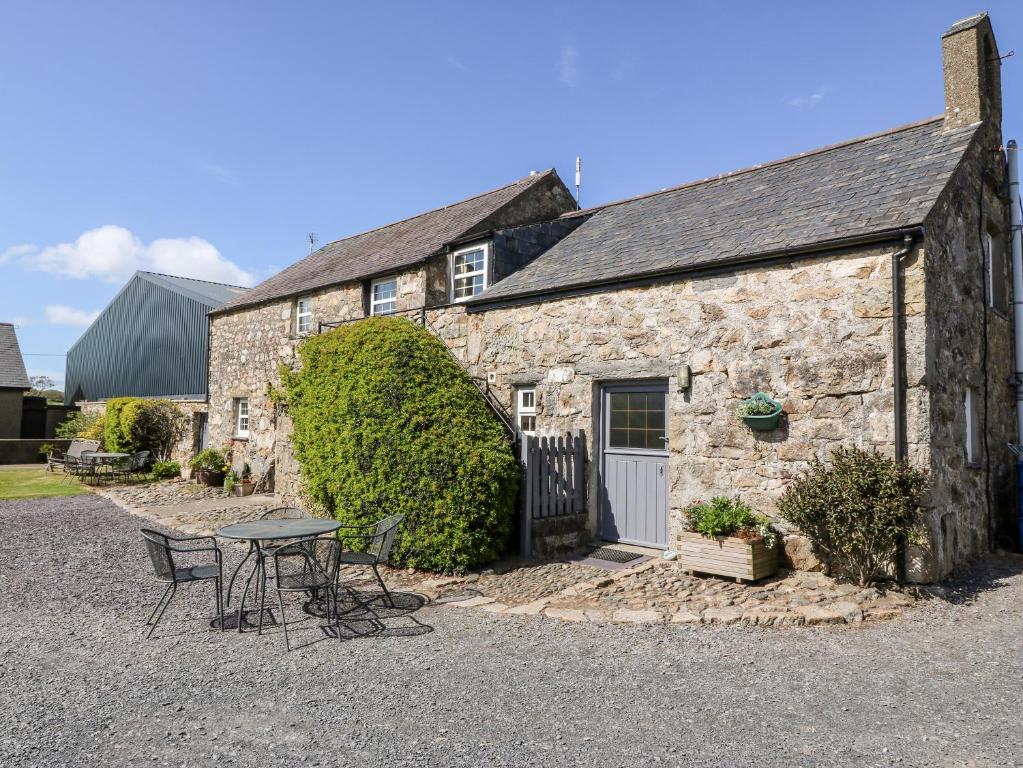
(59, 314)
(21, 321)
(16, 251)
(113, 254)
(568, 65)
(813, 99)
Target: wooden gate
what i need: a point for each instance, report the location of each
(553, 480)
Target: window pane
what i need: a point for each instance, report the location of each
(469, 261)
(528, 398)
(637, 420)
(619, 438)
(385, 290)
(527, 423)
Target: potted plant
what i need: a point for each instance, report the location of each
(724, 537)
(209, 466)
(760, 412)
(239, 485)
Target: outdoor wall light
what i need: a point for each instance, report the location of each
(685, 377)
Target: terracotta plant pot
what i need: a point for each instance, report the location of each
(209, 477)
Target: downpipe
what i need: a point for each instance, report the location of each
(898, 379)
(1016, 239)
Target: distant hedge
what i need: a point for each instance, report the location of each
(138, 424)
(386, 421)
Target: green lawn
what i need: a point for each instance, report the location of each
(36, 484)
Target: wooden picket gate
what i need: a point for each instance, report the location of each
(553, 480)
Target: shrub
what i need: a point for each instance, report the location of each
(755, 408)
(857, 510)
(82, 425)
(722, 516)
(209, 460)
(163, 470)
(136, 424)
(386, 421)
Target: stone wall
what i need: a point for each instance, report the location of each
(971, 506)
(815, 333)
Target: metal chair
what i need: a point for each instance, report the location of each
(278, 513)
(161, 548)
(122, 469)
(306, 565)
(379, 538)
(79, 468)
(138, 463)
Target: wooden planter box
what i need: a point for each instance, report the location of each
(209, 477)
(726, 556)
(243, 488)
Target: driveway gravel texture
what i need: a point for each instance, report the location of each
(79, 686)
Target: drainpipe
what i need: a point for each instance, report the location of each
(1016, 238)
(898, 376)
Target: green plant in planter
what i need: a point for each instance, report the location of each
(231, 479)
(164, 470)
(723, 516)
(759, 412)
(208, 460)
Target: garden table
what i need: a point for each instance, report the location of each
(261, 532)
(103, 458)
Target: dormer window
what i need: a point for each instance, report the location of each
(469, 272)
(303, 314)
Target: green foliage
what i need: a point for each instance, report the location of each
(857, 510)
(137, 424)
(164, 470)
(722, 516)
(114, 436)
(386, 421)
(231, 479)
(756, 406)
(209, 459)
(82, 425)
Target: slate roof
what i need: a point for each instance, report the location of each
(12, 366)
(873, 184)
(391, 247)
(203, 291)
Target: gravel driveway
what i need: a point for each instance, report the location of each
(79, 686)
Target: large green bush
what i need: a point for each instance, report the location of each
(87, 426)
(857, 510)
(386, 421)
(137, 424)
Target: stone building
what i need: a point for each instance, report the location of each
(865, 285)
(14, 383)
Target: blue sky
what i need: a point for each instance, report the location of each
(207, 139)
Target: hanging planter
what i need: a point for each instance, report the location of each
(760, 412)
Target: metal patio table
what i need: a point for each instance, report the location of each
(259, 533)
(104, 458)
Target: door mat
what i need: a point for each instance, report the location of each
(613, 555)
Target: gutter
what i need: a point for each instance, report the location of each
(723, 265)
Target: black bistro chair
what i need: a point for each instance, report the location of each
(162, 549)
(378, 539)
(306, 565)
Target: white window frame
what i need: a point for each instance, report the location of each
(991, 242)
(522, 409)
(374, 302)
(485, 247)
(241, 420)
(300, 315)
(973, 446)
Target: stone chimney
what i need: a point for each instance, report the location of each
(973, 82)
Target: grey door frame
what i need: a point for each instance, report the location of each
(660, 385)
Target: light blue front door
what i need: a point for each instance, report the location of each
(634, 464)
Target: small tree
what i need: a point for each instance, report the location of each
(82, 425)
(135, 424)
(857, 510)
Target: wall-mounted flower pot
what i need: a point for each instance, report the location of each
(765, 422)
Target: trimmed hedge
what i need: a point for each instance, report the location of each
(387, 421)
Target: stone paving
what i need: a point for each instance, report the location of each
(655, 591)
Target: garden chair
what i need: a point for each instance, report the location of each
(278, 513)
(378, 539)
(162, 549)
(122, 469)
(306, 565)
(79, 468)
(57, 458)
(138, 463)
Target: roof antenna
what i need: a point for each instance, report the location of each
(578, 176)
(313, 239)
